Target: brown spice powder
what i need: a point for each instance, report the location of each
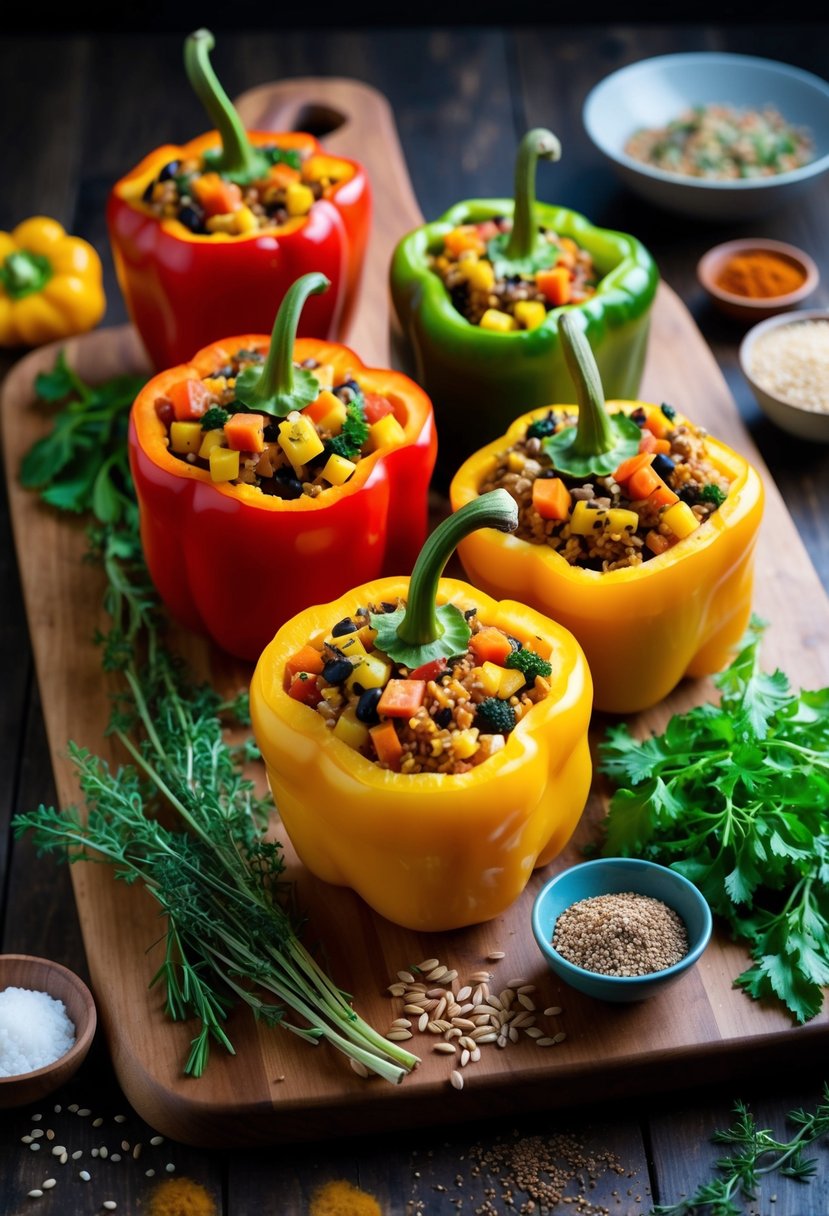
(622, 934)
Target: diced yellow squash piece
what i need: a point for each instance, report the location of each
(210, 440)
(491, 678)
(321, 168)
(371, 671)
(324, 375)
(224, 464)
(215, 384)
(512, 680)
(185, 436)
(479, 274)
(530, 313)
(351, 730)
(367, 636)
(499, 322)
(465, 744)
(246, 221)
(350, 644)
(680, 519)
(299, 440)
(386, 432)
(299, 199)
(327, 411)
(587, 519)
(619, 519)
(516, 462)
(337, 469)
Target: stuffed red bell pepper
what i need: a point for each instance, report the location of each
(274, 473)
(207, 236)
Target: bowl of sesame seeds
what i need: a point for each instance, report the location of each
(619, 928)
(785, 360)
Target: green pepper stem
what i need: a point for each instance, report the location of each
(240, 161)
(23, 273)
(420, 624)
(538, 143)
(594, 433)
(276, 380)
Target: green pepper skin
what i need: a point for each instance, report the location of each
(479, 380)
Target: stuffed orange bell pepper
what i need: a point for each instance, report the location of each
(207, 236)
(425, 745)
(264, 486)
(637, 534)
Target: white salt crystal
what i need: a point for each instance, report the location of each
(34, 1031)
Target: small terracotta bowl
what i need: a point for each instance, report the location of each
(746, 308)
(42, 975)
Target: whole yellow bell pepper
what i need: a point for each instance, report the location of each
(643, 627)
(429, 851)
(51, 284)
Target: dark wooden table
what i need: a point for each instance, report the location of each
(75, 112)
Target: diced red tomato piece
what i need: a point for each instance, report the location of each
(189, 399)
(376, 407)
(307, 659)
(429, 671)
(305, 688)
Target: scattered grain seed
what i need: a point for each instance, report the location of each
(84, 1112)
(406, 977)
(526, 1001)
(463, 1023)
(170, 1168)
(413, 1009)
(560, 1037)
(440, 1009)
(480, 977)
(25, 1139)
(464, 1057)
(398, 1036)
(155, 1140)
(136, 1152)
(120, 1118)
(435, 994)
(78, 1153)
(437, 973)
(535, 1032)
(58, 1149)
(95, 1152)
(506, 996)
(444, 1049)
(495, 955)
(464, 993)
(34, 1146)
(475, 1055)
(109, 1204)
(35, 1194)
(453, 1009)
(396, 989)
(401, 1024)
(513, 1035)
(522, 984)
(359, 1068)
(73, 1107)
(115, 1157)
(435, 1028)
(552, 1011)
(545, 1041)
(49, 1183)
(423, 1022)
(501, 1041)
(450, 977)
(494, 1001)
(125, 1145)
(50, 1135)
(456, 1079)
(149, 1173)
(103, 1151)
(482, 1035)
(63, 1158)
(428, 964)
(37, 1132)
(84, 1175)
(465, 1008)
(453, 1033)
(523, 1019)
(58, 1109)
(97, 1122)
(36, 1118)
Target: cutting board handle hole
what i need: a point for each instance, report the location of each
(315, 118)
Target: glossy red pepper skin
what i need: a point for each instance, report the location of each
(234, 563)
(184, 291)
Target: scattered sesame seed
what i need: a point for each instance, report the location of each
(58, 1109)
(154, 1140)
(36, 1118)
(115, 1157)
(35, 1194)
(120, 1118)
(84, 1175)
(84, 1111)
(25, 1139)
(34, 1146)
(136, 1152)
(73, 1107)
(495, 955)
(149, 1173)
(95, 1152)
(103, 1151)
(97, 1122)
(50, 1135)
(125, 1145)
(58, 1149)
(64, 1157)
(109, 1204)
(77, 1154)
(49, 1183)
(169, 1167)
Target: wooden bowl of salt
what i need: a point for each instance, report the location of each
(47, 1024)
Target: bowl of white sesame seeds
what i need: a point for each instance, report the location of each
(785, 360)
(619, 928)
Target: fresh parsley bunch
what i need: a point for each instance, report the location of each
(735, 796)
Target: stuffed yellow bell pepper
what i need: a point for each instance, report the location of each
(637, 534)
(51, 284)
(409, 757)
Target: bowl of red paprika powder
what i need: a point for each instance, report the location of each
(754, 278)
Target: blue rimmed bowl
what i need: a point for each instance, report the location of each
(611, 876)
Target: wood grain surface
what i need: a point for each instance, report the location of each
(700, 1028)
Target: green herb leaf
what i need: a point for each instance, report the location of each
(544, 255)
(453, 639)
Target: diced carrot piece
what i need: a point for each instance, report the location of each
(663, 496)
(190, 399)
(216, 196)
(245, 432)
(281, 174)
(304, 687)
(387, 745)
(307, 659)
(648, 442)
(376, 407)
(551, 498)
(490, 646)
(630, 466)
(643, 482)
(401, 698)
(656, 542)
(659, 423)
(556, 285)
(460, 240)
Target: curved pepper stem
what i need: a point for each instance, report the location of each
(239, 160)
(277, 387)
(423, 631)
(23, 273)
(536, 144)
(599, 442)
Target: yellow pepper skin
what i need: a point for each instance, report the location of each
(51, 284)
(428, 851)
(645, 627)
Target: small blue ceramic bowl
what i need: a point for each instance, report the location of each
(610, 876)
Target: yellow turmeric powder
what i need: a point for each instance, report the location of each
(181, 1197)
(340, 1198)
(760, 275)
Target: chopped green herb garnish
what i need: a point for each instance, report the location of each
(214, 418)
(712, 493)
(354, 433)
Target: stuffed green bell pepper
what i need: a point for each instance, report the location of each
(478, 295)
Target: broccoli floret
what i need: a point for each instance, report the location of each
(214, 418)
(354, 433)
(495, 717)
(528, 662)
(712, 493)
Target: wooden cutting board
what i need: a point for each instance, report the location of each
(278, 1088)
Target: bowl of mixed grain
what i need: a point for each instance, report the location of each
(620, 929)
(785, 360)
(713, 136)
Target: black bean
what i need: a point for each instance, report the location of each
(346, 625)
(366, 710)
(663, 465)
(337, 670)
(169, 170)
(639, 416)
(443, 717)
(191, 219)
(689, 494)
(470, 612)
(388, 607)
(147, 196)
